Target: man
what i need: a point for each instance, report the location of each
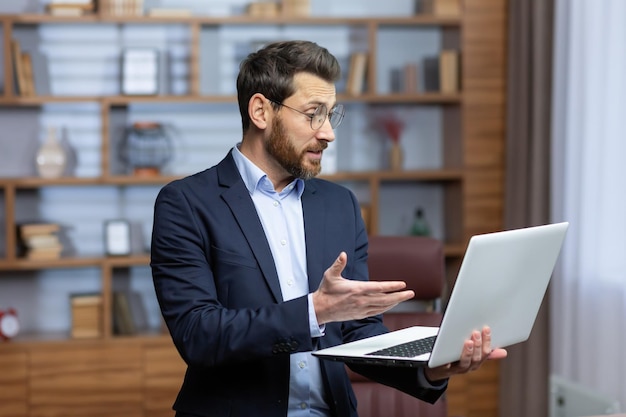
(249, 259)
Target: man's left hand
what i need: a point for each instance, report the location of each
(476, 350)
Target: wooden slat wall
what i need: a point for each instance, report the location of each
(484, 124)
(484, 94)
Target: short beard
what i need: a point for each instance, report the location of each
(283, 151)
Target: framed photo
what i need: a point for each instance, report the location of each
(117, 237)
(140, 71)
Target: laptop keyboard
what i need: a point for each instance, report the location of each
(409, 349)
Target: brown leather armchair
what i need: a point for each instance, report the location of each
(419, 261)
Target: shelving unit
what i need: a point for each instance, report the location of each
(469, 178)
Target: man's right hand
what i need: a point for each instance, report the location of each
(340, 299)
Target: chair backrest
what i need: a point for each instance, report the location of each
(419, 261)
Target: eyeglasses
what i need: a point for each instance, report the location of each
(318, 117)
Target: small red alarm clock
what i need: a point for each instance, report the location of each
(9, 324)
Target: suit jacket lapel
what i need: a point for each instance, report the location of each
(314, 224)
(237, 197)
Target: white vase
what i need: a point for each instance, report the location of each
(51, 157)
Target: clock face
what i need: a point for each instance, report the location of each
(9, 326)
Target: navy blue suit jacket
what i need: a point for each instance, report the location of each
(220, 296)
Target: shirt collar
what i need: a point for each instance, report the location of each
(255, 179)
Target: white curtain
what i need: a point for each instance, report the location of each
(588, 316)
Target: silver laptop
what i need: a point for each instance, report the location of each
(501, 283)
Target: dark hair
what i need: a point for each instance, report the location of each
(271, 69)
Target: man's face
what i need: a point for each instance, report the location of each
(296, 162)
(292, 143)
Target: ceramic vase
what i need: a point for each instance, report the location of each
(51, 157)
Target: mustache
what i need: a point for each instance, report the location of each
(321, 146)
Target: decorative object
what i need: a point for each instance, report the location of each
(51, 157)
(117, 237)
(9, 324)
(140, 71)
(146, 148)
(392, 127)
(71, 156)
(420, 226)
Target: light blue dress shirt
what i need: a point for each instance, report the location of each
(281, 217)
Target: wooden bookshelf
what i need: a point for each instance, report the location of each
(472, 179)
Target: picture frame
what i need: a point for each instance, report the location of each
(117, 237)
(140, 71)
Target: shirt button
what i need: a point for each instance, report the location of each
(303, 406)
(290, 282)
(283, 242)
(276, 203)
(301, 364)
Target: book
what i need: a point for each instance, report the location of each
(122, 7)
(430, 72)
(396, 80)
(123, 322)
(449, 71)
(262, 9)
(27, 230)
(42, 241)
(356, 73)
(410, 78)
(296, 7)
(41, 254)
(441, 7)
(27, 68)
(69, 9)
(18, 69)
(66, 11)
(163, 12)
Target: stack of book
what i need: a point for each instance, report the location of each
(40, 240)
(263, 9)
(296, 7)
(122, 7)
(58, 8)
(86, 316)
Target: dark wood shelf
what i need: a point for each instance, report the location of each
(23, 264)
(416, 20)
(430, 175)
(399, 98)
